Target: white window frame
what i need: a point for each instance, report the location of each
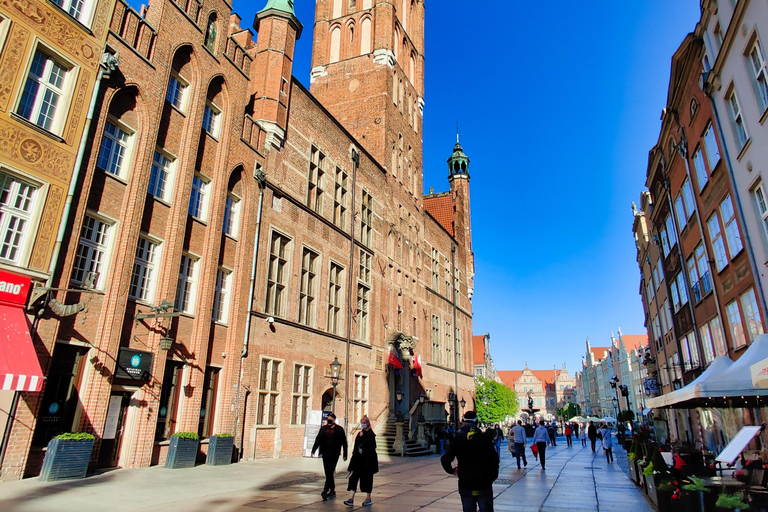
(752, 318)
(211, 118)
(736, 325)
(301, 393)
(199, 197)
(735, 115)
(176, 91)
(277, 274)
(186, 288)
(93, 250)
(80, 10)
(761, 206)
(718, 244)
(12, 215)
(308, 287)
(758, 71)
(5, 24)
(145, 269)
(335, 276)
(731, 227)
(231, 222)
(125, 145)
(711, 147)
(363, 311)
(435, 339)
(361, 395)
(163, 166)
(700, 167)
(221, 296)
(64, 91)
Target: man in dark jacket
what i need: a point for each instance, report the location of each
(592, 435)
(478, 465)
(330, 440)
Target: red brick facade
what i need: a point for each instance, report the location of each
(319, 199)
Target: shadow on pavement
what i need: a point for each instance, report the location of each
(39, 490)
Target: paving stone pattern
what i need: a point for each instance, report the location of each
(576, 480)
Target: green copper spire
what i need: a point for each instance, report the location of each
(458, 163)
(282, 8)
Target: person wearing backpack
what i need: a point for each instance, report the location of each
(477, 465)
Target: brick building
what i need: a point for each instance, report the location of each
(51, 64)
(549, 389)
(235, 233)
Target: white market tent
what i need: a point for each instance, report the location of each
(723, 380)
(608, 419)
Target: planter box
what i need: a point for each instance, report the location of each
(665, 502)
(699, 502)
(181, 453)
(632, 466)
(650, 488)
(66, 458)
(219, 451)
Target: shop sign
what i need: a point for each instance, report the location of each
(651, 386)
(14, 289)
(133, 364)
(760, 374)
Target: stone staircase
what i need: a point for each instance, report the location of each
(385, 440)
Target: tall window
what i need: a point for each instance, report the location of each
(435, 339)
(159, 176)
(185, 287)
(301, 394)
(718, 245)
(78, 9)
(277, 278)
(448, 345)
(363, 299)
(307, 292)
(366, 219)
(707, 343)
(269, 392)
(736, 118)
(679, 293)
(701, 170)
(315, 186)
(691, 358)
(208, 406)
(92, 251)
(698, 271)
(231, 215)
(17, 203)
(435, 270)
(335, 49)
(143, 275)
(460, 366)
(210, 33)
(751, 314)
(42, 101)
(334, 299)
(365, 267)
(221, 296)
(360, 396)
(735, 324)
(340, 200)
(447, 281)
(758, 71)
(114, 149)
(211, 115)
(176, 92)
(731, 227)
(198, 198)
(761, 201)
(170, 396)
(713, 152)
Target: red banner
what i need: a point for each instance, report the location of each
(14, 289)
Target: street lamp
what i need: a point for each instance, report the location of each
(615, 407)
(614, 384)
(422, 399)
(335, 377)
(462, 402)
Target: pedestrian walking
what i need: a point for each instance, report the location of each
(568, 434)
(363, 464)
(540, 436)
(552, 431)
(499, 437)
(576, 429)
(517, 442)
(330, 441)
(583, 436)
(477, 465)
(440, 436)
(605, 432)
(592, 435)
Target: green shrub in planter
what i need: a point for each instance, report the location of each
(731, 501)
(220, 450)
(183, 450)
(67, 456)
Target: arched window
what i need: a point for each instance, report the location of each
(394, 87)
(412, 69)
(349, 45)
(397, 44)
(210, 32)
(365, 41)
(335, 44)
(336, 9)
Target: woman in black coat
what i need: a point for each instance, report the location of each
(364, 463)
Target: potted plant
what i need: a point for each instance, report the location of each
(220, 449)
(695, 490)
(650, 483)
(183, 450)
(669, 494)
(67, 456)
(730, 502)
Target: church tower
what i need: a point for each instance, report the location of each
(368, 71)
(458, 176)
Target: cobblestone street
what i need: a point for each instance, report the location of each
(575, 479)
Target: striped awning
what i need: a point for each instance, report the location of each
(19, 366)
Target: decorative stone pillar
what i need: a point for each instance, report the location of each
(399, 445)
(422, 440)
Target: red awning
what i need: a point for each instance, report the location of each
(19, 367)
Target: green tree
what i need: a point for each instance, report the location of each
(494, 401)
(626, 416)
(570, 410)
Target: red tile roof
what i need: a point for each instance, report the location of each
(545, 375)
(440, 207)
(599, 352)
(478, 349)
(634, 341)
(509, 377)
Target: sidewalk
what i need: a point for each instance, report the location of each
(575, 480)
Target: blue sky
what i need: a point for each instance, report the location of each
(559, 104)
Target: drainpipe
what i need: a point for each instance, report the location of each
(455, 403)
(355, 165)
(109, 63)
(261, 181)
(739, 208)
